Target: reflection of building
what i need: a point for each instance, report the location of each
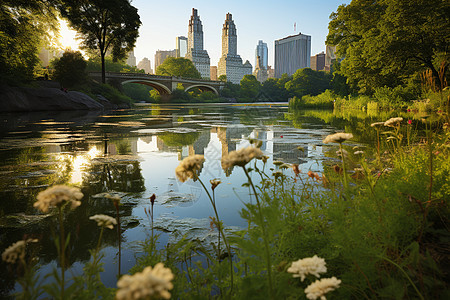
(230, 64)
(289, 153)
(213, 72)
(262, 52)
(318, 62)
(195, 51)
(292, 53)
(181, 46)
(145, 65)
(131, 60)
(161, 55)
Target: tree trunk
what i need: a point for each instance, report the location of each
(102, 55)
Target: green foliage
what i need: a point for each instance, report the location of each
(275, 89)
(180, 66)
(94, 64)
(250, 87)
(138, 92)
(386, 42)
(24, 25)
(110, 25)
(230, 90)
(324, 100)
(222, 78)
(179, 139)
(70, 69)
(308, 82)
(395, 97)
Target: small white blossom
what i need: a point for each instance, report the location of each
(310, 265)
(104, 221)
(393, 122)
(358, 152)
(241, 157)
(148, 284)
(319, 288)
(56, 196)
(377, 124)
(337, 137)
(189, 167)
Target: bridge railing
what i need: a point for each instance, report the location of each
(143, 75)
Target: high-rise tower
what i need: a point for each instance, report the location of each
(230, 64)
(195, 51)
(292, 53)
(262, 52)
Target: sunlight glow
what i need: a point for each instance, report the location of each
(67, 39)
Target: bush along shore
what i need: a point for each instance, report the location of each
(373, 224)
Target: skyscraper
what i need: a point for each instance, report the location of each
(145, 65)
(195, 51)
(181, 46)
(260, 72)
(131, 60)
(318, 62)
(292, 53)
(230, 63)
(161, 55)
(262, 51)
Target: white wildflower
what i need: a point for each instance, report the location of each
(189, 167)
(310, 265)
(16, 250)
(104, 221)
(343, 151)
(377, 124)
(148, 284)
(56, 196)
(241, 157)
(393, 122)
(319, 288)
(358, 152)
(337, 137)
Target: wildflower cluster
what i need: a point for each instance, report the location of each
(148, 284)
(310, 265)
(104, 221)
(393, 122)
(16, 250)
(58, 195)
(240, 157)
(189, 167)
(337, 137)
(319, 288)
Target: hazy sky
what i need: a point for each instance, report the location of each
(162, 21)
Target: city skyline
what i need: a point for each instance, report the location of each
(255, 20)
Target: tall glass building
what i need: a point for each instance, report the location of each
(262, 51)
(292, 53)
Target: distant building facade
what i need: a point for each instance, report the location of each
(181, 46)
(263, 53)
(270, 72)
(131, 60)
(145, 65)
(292, 53)
(230, 63)
(161, 55)
(330, 56)
(213, 72)
(195, 51)
(47, 55)
(260, 71)
(318, 62)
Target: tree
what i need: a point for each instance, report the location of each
(222, 78)
(103, 26)
(274, 88)
(70, 69)
(250, 87)
(24, 25)
(180, 66)
(385, 42)
(308, 82)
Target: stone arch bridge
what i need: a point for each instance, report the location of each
(165, 85)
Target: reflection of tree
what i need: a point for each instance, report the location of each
(172, 139)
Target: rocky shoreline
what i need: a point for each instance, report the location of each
(49, 97)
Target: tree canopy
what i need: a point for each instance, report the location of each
(24, 25)
(103, 26)
(308, 82)
(181, 67)
(385, 42)
(70, 69)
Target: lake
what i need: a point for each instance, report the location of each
(133, 153)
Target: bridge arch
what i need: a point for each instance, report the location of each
(203, 88)
(161, 88)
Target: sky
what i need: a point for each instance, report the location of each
(163, 21)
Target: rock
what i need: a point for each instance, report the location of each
(41, 99)
(106, 103)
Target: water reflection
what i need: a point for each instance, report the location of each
(134, 153)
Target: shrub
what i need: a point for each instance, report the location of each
(70, 69)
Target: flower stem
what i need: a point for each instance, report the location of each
(263, 228)
(344, 171)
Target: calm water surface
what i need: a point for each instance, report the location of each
(134, 153)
